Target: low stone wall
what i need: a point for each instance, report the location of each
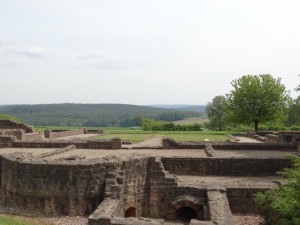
(57, 151)
(225, 166)
(115, 143)
(32, 137)
(256, 146)
(59, 134)
(168, 143)
(7, 141)
(65, 189)
(241, 200)
(21, 135)
(172, 144)
(272, 138)
(17, 133)
(8, 124)
(277, 136)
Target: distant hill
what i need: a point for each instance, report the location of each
(91, 114)
(194, 108)
(192, 120)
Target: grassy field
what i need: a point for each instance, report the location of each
(134, 137)
(18, 220)
(139, 136)
(136, 134)
(197, 136)
(192, 120)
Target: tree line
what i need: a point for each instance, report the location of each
(154, 125)
(257, 100)
(91, 115)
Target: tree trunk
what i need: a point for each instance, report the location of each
(256, 125)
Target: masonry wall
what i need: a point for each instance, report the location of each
(241, 200)
(7, 124)
(59, 134)
(136, 190)
(115, 143)
(20, 135)
(60, 189)
(256, 146)
(172, 144)
(29, 137)
(225, 166)
(162, 188)
(7, 141)
(271, 138)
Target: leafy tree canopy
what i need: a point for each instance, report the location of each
(217, 111)
(281, 206)
(258, 99)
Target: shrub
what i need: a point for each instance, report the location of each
(281, 206)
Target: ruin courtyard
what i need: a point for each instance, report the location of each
(110, 182)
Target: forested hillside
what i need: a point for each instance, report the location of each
(90, 114)
(192, 108)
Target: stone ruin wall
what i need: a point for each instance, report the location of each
(77, 187)
(20, 135)
(30, 137)
(63, 133)
(8, 124)
(65, 189)
(10, 142)
(172, 144)
(225, 166)
(277, 136)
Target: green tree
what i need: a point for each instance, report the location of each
(217, 111)
(294, 113)
(281, 206)
(258, 99)
(139, 120)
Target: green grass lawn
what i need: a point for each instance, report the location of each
(197, 136)
(136, 134)
(135, 137)
(139, 136)
(16, 220)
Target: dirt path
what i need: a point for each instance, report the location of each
(79, 136)
(248, 140)
(153, 142)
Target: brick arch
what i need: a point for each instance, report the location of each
(130, 210)
(186, 201)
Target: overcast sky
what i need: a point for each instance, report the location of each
(142, 52)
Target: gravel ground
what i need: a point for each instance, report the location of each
(79, 136)
(230, 182)
(251, 154)
(34, 151)
(247, 140)
(251, 219)
(51, 220)
(239, 219)
(91, 154)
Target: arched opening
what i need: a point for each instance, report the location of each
(185, 214)
(130, 212)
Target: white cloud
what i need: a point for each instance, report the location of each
(89, 57)
(10, 65)
(33, 52)
(2, 41)
(110, 65)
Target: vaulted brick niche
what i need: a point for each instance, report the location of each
(187, 207)
(130, 212)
